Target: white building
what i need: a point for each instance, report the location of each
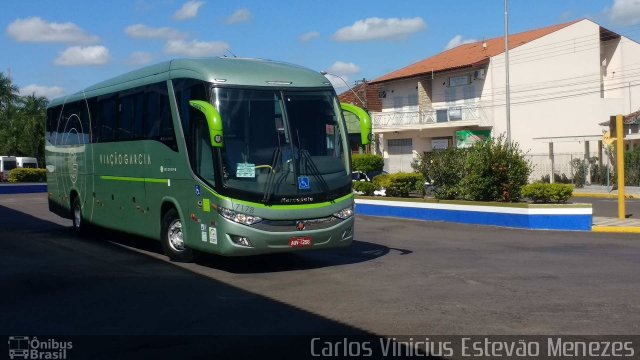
(565, 80)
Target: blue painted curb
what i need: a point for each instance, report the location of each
(22, 188)
(533, 218)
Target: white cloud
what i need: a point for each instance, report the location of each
(34, 29)
(624, 12)
(49, 92)
(195, 48)
(380, 29)
(140, 31)
(457, 41)
(79, 56)
(306, 37)
(139, 58)
(342, 70)
(241, 15)
(189, 10)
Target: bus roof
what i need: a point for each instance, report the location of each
(232, 71)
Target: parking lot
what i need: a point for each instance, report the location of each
(399, 277)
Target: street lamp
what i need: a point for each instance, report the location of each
(349, 87)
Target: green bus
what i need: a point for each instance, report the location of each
(221, 155)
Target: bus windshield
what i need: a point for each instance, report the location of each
(282, 146)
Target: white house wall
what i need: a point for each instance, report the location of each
(555, 89)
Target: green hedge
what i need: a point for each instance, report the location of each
(547, 193)
(401, 184)
(366, 187)
(367, 162)
(27, 175)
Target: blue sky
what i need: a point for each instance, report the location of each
(59, 47)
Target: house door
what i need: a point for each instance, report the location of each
(400, 155)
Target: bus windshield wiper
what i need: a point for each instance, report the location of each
(269, 186)
(310, 167)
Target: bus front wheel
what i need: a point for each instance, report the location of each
(173, 238)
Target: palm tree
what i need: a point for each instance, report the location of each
(31, 117)
(8, 92)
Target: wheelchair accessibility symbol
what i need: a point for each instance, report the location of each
(303, 183)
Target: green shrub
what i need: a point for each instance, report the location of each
(381, 181)
(579, 172)
(367, 162)
(401, 184)
(547, 193)
(366, 187)
(444, 170)
(490, 170)
(27, 175)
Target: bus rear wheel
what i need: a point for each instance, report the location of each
(173, 238)
(79, 227)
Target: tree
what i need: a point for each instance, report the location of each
(22, 121)
(31, 118)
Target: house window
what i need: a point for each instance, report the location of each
(455, 113)
(441, 115)
(413, 100)
(398, 102)
(468, 93)
(399, 146)
(450, 95)
(459, 80)
(441, 143)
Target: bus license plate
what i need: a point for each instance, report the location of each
(300, 241)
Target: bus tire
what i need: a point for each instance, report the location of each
(79, 225)
(173, 238)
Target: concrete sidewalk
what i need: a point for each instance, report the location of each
(615, 225)
(607, 192)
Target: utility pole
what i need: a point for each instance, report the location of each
(506, 63)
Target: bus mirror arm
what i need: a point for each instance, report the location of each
(214, 121)
(364, 119)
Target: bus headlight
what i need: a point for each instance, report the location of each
(240, 218)
(344, 213)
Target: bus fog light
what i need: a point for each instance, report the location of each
(344, 213)
(241, 240)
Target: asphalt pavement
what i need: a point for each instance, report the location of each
(400, 277)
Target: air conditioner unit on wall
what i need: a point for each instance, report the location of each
(478, 74)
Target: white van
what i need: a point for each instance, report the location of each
(27, 162)
(7, 163)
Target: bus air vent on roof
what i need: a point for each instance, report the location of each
(276, 82)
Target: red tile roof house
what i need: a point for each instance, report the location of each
(565, 79)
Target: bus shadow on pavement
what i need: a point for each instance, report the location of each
(116, 303)
(357, 252)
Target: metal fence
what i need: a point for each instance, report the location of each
(541, 166)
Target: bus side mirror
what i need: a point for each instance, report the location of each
(365, 121)
(214, 121)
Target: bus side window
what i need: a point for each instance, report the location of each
(158, 121)
(70, 126)
(85, 124)
(92, 105)
(53, 116)
(131, 108)
(107, 117)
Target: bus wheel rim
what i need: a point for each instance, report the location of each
(77, 217)
(174, 234)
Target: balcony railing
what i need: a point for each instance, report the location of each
(411, 119)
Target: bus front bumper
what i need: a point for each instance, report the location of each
(235, 239)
